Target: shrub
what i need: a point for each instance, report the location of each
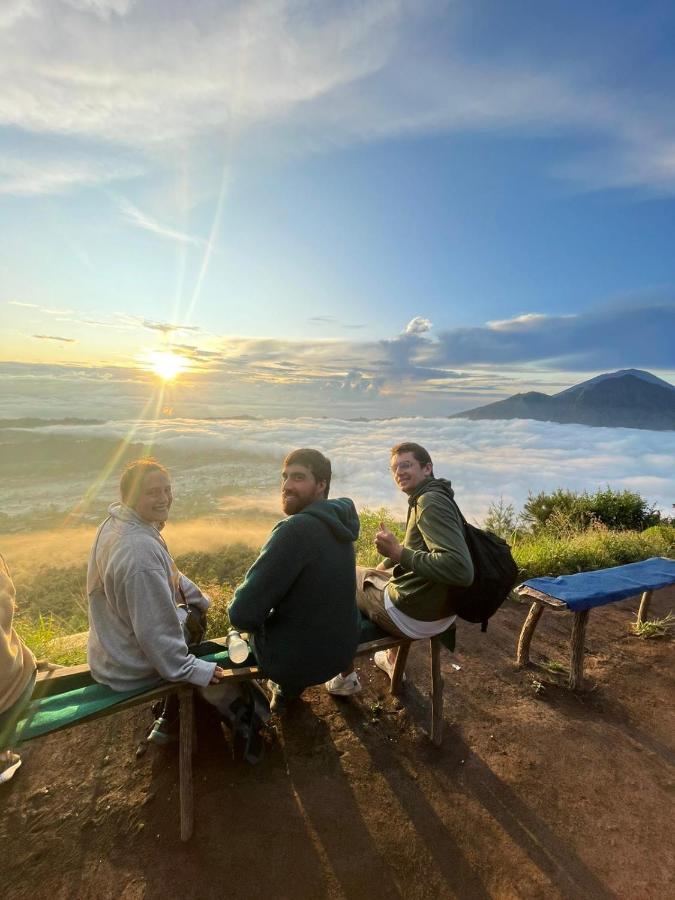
(618, 510)
(501, 519)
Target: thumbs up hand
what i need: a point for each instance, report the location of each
(388, 544)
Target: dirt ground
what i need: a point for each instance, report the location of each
(536, 792)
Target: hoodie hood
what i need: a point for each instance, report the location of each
(339, 515)
(123, 513)
(439, 485)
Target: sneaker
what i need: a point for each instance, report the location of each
(278, 699)
(344, 687)
(381, 659)
(9, 763)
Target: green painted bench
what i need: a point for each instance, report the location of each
(67, 697)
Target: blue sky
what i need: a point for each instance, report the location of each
(372, 207)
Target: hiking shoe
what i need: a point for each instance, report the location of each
(344, 687)
(381, 660)
(9, 763)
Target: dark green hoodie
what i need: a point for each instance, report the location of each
(435, 554)
(298, 597)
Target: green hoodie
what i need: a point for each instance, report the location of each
(298, 598)
(435, 554)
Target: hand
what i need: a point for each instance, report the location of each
(218, 675)
(388, 544)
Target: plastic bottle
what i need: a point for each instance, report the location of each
(237, 647)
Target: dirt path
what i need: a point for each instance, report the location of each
(536, 792)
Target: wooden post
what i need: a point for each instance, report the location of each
(577, 650)
(185, 763)
(644, 607)
(436, 692)
(525, 639)
(399, 668)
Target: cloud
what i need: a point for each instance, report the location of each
(484, 460)
(599, 339)
(139, 219)
(297, 77)
(53, 337)
(418, 325)
(37, 173)
(166, 327)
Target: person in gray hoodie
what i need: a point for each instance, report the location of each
(298, 600)
(138, 600)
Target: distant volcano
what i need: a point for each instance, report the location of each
(629, 398)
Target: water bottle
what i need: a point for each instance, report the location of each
(237, 647)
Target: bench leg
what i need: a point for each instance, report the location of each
(577, 650)
(436, 692)
(399, 668)
(644, 606)
(527, 631)
(185, 763)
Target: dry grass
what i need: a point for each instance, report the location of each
(69, 546)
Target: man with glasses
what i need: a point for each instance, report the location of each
(406, 595)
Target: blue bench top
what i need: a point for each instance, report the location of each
(588, 589)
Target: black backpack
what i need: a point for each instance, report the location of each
(495, 574)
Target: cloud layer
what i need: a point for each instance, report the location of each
(290, 76)
(484, 460)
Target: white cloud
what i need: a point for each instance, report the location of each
(484, 460)
(298, 76)
(418, 325)
(140, 219)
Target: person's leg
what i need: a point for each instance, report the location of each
(370, 585)
(10, 761)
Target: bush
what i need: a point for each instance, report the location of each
(618, 510)
(501, 520)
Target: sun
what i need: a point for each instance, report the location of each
(167, 365)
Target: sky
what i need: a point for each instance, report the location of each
(376, 208)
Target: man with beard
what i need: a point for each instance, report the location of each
(298, 599)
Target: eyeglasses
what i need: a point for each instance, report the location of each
(402, 466)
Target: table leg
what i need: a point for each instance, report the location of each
(399, 668)
(436, 692)
(577, 650)
(644, 606)
(525, 639)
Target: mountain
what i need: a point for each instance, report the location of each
(629, 398)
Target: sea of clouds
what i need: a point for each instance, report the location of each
(485, 460)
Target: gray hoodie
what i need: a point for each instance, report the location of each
(134, 588)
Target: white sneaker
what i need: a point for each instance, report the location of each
(9, 763)
(344, 687)
(381, 659)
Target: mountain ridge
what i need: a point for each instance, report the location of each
(628, 398)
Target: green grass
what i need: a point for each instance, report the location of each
(53, 605)
(594, 548)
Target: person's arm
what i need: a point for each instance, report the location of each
(192, 594)
(270, 577)
(152, 611)
(447, 559)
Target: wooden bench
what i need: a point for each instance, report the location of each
(56, 681)
(581, 592)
